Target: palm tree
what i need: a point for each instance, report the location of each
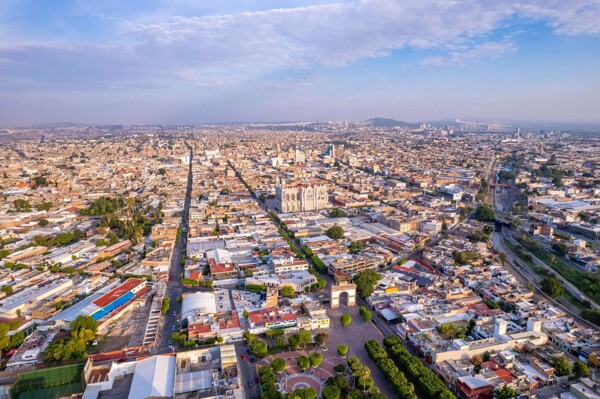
(363, 374)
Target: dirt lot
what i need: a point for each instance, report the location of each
(128, 331)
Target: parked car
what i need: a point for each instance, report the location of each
(256, 379)
(244, 357)
(250, 383)
(173, 327)
(564, 385)
(252, 360)
(248, 350)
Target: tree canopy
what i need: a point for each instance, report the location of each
(335, 232)
(366, 281)
(484, 213)
(552, 287)
(345, 319)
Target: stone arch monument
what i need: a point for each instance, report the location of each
(338, 289)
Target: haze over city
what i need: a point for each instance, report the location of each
(229, 61)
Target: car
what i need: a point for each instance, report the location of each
(564, 385)
(173, 327)
(249, 383)
(252, 360)
(248, 350)
(174, 313)
(256, 379)
(324, 348)
(244, 357)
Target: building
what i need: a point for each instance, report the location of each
(287, 264)
(301, 197)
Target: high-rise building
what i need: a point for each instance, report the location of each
(301, 197)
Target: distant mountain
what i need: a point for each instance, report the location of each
(387, 122)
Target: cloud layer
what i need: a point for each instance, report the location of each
(163, 48)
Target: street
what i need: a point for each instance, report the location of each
(172, 318)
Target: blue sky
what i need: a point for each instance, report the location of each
(202, 61)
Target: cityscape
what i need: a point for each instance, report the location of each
(247, 261)
(310, 199)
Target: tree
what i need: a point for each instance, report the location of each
(305, 337)
(288, 291)
(303, 362)
(259, 348)
(294, 341)
(346, 319)
(581, 369)
(165, 305)
(278, 365)
(331, 392)
(356, 247)
(338, 381)
(552, 287)
(505, 392)
(355, 394)
(321, 338)
(562, 366)
(367, 315)
(7, 289)
(246, 314)
(366, 281)
(484, 213)
(335, 232)
(43, 223)
(337, 213)
(561, 248)
(342, 350)
(316, 358)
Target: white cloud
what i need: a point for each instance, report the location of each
(476, 52)
(224, 49)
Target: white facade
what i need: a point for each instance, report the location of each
(301, 197)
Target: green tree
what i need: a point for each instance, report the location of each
(342, 350)
(278, 365)
(346, 319)
(4, 253)
(552, 287)
(305, 337)
(356, 247)
(7, 289)
(246, 314)
(259, 348)
(505, 392)
(366, 281)
(581, 369)
(562, 366)
(321, 338)
(561, 248)
(337, 213)
(303, 362)
(166, 303)
(288, 291)
(367, 315)
(43, 223)
(338, 381)
(331, 392)
(484, 213)
(335, 232)
(316, 358)
(355, 394)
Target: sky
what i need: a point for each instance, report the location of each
(209, 61)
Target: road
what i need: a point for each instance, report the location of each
(571, 288)
(174, 287)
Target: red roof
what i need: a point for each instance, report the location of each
(119, 291)
(500, 371)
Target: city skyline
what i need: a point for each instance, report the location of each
(201, 62)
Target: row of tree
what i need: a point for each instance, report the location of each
(403, 388)
(414, 368)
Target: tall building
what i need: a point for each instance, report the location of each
(301, 197)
